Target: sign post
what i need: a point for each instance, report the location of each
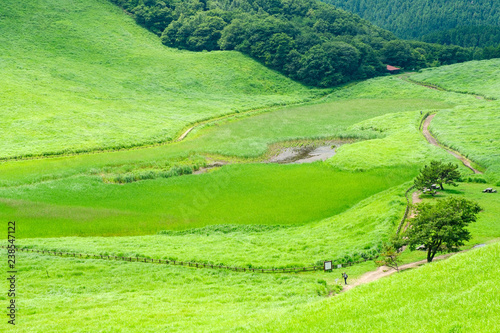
(327, 265)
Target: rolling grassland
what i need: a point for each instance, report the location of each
(79, 76)
(74, 295)
(474, 77)
(456, 295)
(475, 132)
(83, 76)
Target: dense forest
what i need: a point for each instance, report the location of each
(478, 36)
(308, 40)
(415, 18)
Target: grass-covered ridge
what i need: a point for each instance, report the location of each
(474, 132)
(474, 77)
(456, 295)
(82, 75)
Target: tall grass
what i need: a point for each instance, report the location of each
(475, 133)
(474, 77)
(79, 75)
(358, 230)
(234, 194)
(71, 295)
(456, 295)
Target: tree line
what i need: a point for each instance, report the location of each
(307, 40)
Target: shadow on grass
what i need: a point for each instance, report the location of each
(453, 191)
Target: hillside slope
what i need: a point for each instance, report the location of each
(78, 75)
(456, 295)
(307, 40)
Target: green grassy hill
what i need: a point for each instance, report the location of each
(457, 295)
(81, 75)
(474, 77)
(474, 131)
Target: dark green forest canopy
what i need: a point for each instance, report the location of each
(477, 36)
(307, 40)
(415, 18)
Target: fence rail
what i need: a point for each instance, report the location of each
(407, 209)
(184, 263)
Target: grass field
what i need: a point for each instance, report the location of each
(82, 75)
(236, 194)
(360, 229)
(239, 194)
(475, 132)
(86, 295)
(474, 77)
(456, 295)
(459, 295)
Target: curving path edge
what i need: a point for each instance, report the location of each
(432, 140)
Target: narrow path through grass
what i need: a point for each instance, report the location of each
(432, 140)
(384, 271)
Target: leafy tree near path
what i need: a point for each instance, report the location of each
(437, 173)
(442, 226)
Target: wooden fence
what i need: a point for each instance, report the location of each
(407, 209)
(184, 263)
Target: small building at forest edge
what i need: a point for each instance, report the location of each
(393, 70)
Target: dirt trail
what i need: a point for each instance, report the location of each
(384, 271)
(406, 77)
(433, 141)
(184, 134)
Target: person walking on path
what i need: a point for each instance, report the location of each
(345, 276)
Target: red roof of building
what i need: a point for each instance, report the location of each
(392, 68)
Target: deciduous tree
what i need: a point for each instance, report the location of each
(442, 226)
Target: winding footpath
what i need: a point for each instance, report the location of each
(384, 271)
(432, 140)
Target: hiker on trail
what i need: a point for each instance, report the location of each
(345, 276)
